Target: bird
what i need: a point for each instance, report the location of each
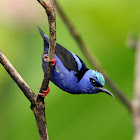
(70, 73)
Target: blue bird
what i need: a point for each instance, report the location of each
(70, 73)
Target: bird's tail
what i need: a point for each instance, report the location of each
(42, 34)
(46, 39)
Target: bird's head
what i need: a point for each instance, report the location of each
(96, 82)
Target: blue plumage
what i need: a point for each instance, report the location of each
(71, 74)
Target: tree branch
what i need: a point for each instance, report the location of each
(136, 100)
(37, 107)
(37, 103)
(17, 78)
(49, 7)
(91, 57)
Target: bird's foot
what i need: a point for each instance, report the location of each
(46, 59)
(45, 92)
(52, 61)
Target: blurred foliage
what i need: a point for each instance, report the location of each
(104, 26)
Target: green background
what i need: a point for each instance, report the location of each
(104, 27)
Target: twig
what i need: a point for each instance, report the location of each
(136, 100)
(49, 7)
(37, 107)
(91, 57)
(17, 78)
(37, 103)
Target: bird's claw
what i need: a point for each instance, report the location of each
(46, 57)
(45, 92)
(51, 61)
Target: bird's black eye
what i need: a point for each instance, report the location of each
(93, 82)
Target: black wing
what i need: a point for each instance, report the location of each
(69, 61)
(66, 57)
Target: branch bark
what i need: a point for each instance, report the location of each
(37, 107)
(136, 100)
(91, 57)
(49, 7)
(17, 78)
(37, 102)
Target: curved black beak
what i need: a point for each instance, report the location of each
(102, 89)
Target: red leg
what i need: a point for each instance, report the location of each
(45, 92)
(46, 59)
(53, 61)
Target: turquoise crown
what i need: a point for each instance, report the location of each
(99, 77)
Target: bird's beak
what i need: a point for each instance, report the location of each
(102, 89)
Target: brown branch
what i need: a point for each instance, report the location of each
(39, 111)
(49, 7)
(91, 57)
(17, 78)
(136, 100)
(37, 107)
(37, 103)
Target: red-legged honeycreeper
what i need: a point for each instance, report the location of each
(70, 73)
